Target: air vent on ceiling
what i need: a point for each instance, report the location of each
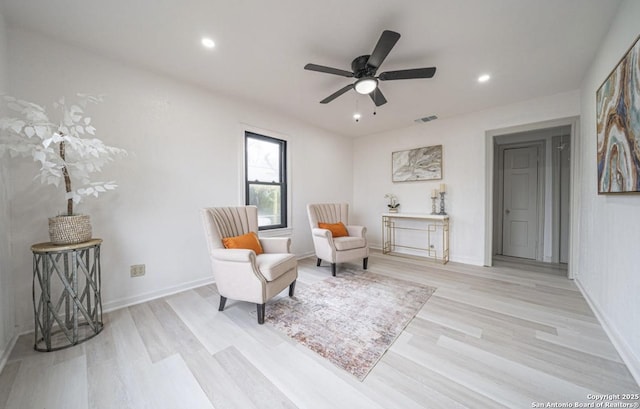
(426, 119)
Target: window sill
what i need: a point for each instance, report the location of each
(286, 232)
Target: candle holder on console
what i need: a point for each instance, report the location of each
(433, 204)
(442, 212)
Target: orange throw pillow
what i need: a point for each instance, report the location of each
(336, 229)
(247, 241)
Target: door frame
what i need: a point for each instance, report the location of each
(556, 169)
(499, 193)
(575, 181)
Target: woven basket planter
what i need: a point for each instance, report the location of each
(69, 229)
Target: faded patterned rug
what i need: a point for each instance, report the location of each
(351, 319)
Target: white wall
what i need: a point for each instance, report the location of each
(609, 269)
(463, 139)
(185, 146)
(7, 307)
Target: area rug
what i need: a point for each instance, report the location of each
(351, 319)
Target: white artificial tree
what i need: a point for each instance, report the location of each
(65, 146)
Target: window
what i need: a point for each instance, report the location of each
(266, 179)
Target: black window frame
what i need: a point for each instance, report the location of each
(282, 144)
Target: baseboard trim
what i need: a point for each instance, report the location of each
(4, 357)
(626, 353)
(152, 295)
(467, 260)
(117, 304)
(462, 260)
(305, 255)
(139, 299)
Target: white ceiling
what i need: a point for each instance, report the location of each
(531, 48)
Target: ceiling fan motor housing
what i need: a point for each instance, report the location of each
(361, 69)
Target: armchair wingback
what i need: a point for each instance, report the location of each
(241, 274)
(337, 249)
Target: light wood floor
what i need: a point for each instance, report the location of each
(488, 338)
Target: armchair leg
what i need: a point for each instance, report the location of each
(223, 301)
(333, 269)
(292, 288)
(318, 263)
(365, 262)
(260, 308)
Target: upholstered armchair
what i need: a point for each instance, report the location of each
(241, 273)
(352, 243)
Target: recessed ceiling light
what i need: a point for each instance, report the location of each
(484, 78)
(357, 116)
(207, 42)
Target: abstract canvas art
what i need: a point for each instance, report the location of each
(618, 126)
(417, 164)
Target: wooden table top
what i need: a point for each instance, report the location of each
(50, 247)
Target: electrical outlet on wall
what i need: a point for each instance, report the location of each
(137, 270)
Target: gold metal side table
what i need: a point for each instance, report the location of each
(67, 305)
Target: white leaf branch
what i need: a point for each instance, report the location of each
(62, 148)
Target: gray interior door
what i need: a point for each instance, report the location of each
(520, 218)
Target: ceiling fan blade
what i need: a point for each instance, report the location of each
(336, 94)
(377, 97)
(328, 70)
(408, 74)
(386, 42)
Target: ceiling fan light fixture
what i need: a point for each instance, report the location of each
(366, 85)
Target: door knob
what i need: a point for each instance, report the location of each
(507, 211)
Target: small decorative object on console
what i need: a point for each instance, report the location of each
(393, 202)
(442, 192)
(434, 197)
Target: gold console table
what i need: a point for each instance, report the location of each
(435, 225)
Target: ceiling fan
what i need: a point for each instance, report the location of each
(364, 68)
